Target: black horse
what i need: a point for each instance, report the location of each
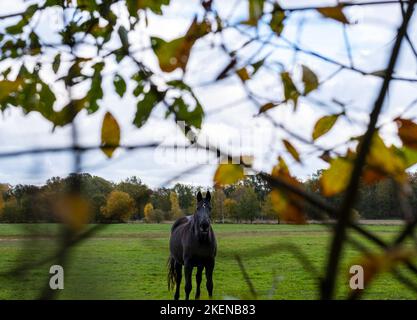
(192, 244)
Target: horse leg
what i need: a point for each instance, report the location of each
(209, 278)
(198, 278)
(188, 271)
(178, 271)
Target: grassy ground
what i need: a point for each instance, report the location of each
(128, 261)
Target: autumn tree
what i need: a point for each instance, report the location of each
(217, 203)
(153, 215)
(138, 191)
(247, 203)
(148, 212)
(119, 206)
(160, 199)
(3, 189)
(186, 197)
(230, 209)
(176, 211)
(268, 210)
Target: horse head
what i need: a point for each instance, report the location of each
(203, 214)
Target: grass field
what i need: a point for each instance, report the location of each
(128, 261)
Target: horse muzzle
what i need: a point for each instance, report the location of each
(204, 227)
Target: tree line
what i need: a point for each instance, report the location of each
(131, 199)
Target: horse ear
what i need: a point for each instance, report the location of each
(208, 196)
(199, 196)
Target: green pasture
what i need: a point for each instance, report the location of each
(128, 261)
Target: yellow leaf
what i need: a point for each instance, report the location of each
(288, 205)
(407, 131)
(287, 209)
(280, 168)
(324, 125)
(335, 179)
(7, 87)
(228, 173)
(243, 74)
(73, 210)
(375, 264)
(385, 161)
(335, 13)
(408, 155)
(110, 135)
(291, 149)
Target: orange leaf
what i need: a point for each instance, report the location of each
(407, 131)
(288, 205)
(335, 13)
(73, 210)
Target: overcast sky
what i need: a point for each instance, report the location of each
(229, 116)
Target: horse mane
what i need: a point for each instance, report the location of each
(179, 222)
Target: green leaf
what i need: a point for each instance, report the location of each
(175, 54)
(124, 39)
(17, 28)
(256, 10)
(87, 5)
(145, 106)
(69, 112)
(46, 101)
(335, 13)
(290, 90)
(323, 125)
(409, 156)
(119, 85)
(182, 113)
(140, 78)
(26, 16)
(153, 5)
(277, 19)
(379, 73)
(34, 44)
(7, 87)
(57, 63)
(310, 80)
(96, 92)
(110, 135)
(257, 65)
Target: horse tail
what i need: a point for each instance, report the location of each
(172, 273)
